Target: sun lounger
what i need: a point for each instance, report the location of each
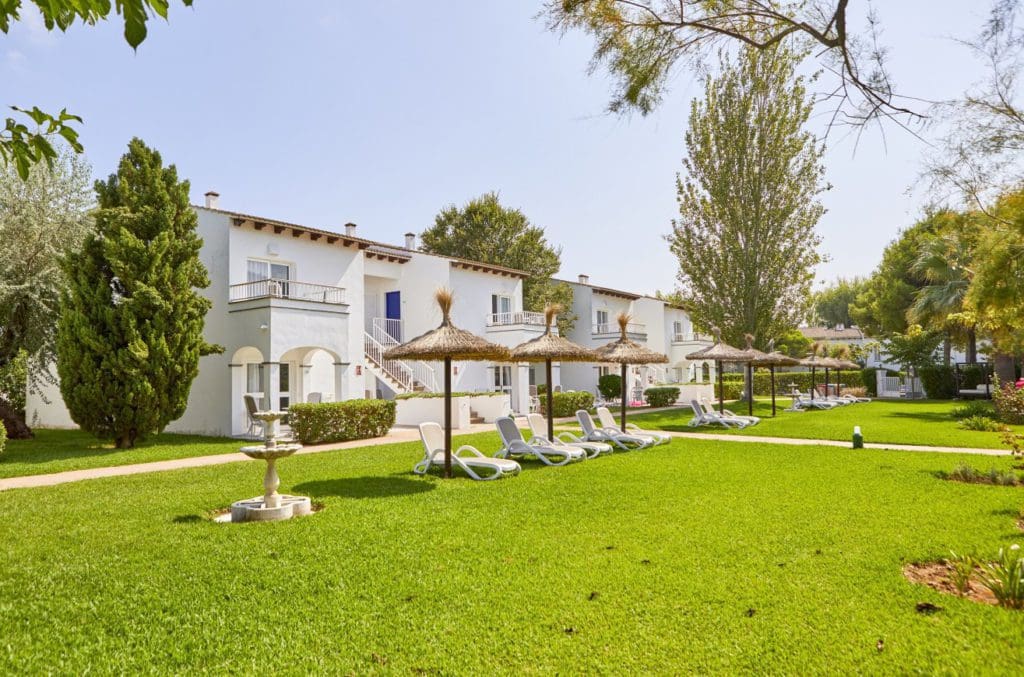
(710, 409)
(591, 433)
(514, 445)
(608, 423)
(538, 428)
(702, 418)
(466, 457)
(801, 402)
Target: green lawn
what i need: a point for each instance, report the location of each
(699, 556)
(924, 422)
(59, 450)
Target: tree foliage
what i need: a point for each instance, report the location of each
(914, 348)
(745, 238)
(41, 218)
(131, 325)
(484, 230)
(23, 145)
(641, 42)
(832, 304)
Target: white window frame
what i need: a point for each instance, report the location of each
(497, 385)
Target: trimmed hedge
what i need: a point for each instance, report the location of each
(341, 421)
(939, 382)
(3, 437)
(661, 397)
(733, 390)
(568, 403)
(802, 379)
(610, 386)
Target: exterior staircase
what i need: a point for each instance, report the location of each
(399, 375)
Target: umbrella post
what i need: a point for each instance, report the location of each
(812, 383)
(827, 383)
(551, 401)
(448, 417)
(750, 391)
(771, 368)
(623, 373)
(721, 400)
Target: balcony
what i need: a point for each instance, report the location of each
(292, 290)
(522, 317)
(693, 337)
(634, 330)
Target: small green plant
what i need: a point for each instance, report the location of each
(661, 397)
(965, 473)
(610, 386)
(1004, 578)
(973, 408)
(568, 403)
(962, 571)
(981, 423)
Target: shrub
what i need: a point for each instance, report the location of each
(965, 473)
(973, 408)
(983, 423)
(568, 403)
(1009, 403)
(610, 386)
(962, 569)
(341, 421)
(425, 395)
(868, 378)
(802, 379)
(661, 397)
(3, 437)
(731, 390)
(542, 388)
(939, 382)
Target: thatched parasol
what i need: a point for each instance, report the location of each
(719, 352)
(771, 360)
(829, 363)
(812, 361)
(842, 366)
(625, 352)
(547, 348)
(444, 344)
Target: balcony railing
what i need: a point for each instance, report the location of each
(683, 337)
(518, 317)
(613, 328)
(286, 289)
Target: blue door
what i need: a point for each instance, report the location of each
(393, 313)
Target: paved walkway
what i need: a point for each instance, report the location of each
(411, 434)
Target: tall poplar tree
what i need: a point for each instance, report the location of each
(748, 206)
(131, 327)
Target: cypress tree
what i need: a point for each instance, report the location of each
(131, 326)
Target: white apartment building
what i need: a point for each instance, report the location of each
(301, 310)
(660, 325)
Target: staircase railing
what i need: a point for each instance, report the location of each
(407, 375)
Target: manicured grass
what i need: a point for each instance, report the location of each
(699, 556)
(924, 422)
(59, 450)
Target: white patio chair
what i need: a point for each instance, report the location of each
(701, 417)
(591, 433)
(608, 423)
(466, 457)
(250, 410)
(515, 445)
(539, 430)
(709, 407)
(314, 398)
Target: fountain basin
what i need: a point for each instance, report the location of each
(256, 510)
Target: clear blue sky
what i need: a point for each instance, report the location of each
(381, 113)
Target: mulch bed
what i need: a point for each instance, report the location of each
(936, 575)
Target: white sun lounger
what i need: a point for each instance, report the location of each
(466, 457)
(608, 423)
(710, 409)
(515, 445)
(701, 418)
(591, 433)
(538, 428)
(800, 402)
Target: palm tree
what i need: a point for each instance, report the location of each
(943, 263)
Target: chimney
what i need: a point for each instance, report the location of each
(350, 229)
(410, 241)
(584, 279)
(212, 199)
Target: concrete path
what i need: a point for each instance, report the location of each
(410, 435)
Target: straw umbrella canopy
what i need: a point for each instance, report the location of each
(547, 348)
(812, 361)
(771, 360)
(843, 366)
(444, 344)
(829, 363)
(719, 352)
(625, 352)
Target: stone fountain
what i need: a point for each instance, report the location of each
(271, 506)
